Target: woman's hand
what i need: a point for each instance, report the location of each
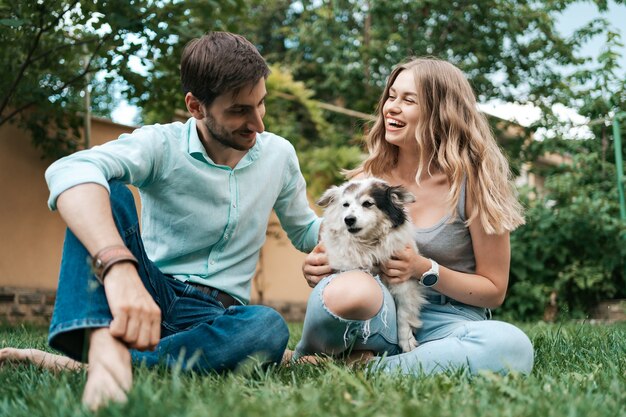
(315, 266)
(403, 265)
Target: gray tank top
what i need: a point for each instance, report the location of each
(449, 242)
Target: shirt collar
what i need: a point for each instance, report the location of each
(196, 148)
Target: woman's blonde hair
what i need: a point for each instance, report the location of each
(455, 138)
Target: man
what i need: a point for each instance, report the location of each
(207, 188)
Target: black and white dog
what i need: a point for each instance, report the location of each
(365, 223)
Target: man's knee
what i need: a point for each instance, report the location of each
(353, 295)
(271, 333)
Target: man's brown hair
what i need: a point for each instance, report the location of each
(220, 62)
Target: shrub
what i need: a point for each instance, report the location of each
(573, 243)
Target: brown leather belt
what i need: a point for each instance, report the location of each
(224, 298)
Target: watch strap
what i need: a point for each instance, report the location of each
(434, 270)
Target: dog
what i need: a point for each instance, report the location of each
(365, 223)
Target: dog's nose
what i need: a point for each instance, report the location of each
(350, 220)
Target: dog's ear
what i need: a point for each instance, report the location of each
(391, 200)
(400, 195)
(328, 196)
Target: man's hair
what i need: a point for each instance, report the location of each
(220, 62)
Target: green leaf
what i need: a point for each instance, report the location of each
(13, 22)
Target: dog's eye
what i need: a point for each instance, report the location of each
(346, 204)
(367, 204)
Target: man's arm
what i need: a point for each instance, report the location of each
(292, 208)
(136, 318)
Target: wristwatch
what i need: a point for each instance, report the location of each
(430, 277)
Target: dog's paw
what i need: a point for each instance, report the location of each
(408, 344)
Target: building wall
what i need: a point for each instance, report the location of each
(31, 237)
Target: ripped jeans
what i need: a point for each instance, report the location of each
(453, 336)
(326, 333)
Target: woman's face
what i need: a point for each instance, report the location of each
(401, 111)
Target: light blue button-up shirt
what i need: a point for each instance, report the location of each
(201, 221)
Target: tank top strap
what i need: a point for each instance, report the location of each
(461, 204)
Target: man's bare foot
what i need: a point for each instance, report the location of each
(287, 355)
(310, 359)
(359, 357)
(109, 376)
(40, 358)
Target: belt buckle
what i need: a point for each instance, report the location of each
(225, 299)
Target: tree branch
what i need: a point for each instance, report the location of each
(64, 46)
(15, 112)
(27, 61)
(65, 85)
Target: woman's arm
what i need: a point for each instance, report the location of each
(485, 288)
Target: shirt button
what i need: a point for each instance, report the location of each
(212, 262)
(234, 205)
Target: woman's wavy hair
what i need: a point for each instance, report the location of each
(456, 138)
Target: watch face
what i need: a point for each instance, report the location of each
(429, 280)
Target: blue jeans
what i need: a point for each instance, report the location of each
(197, 332)
(453, 336)
(327, 333)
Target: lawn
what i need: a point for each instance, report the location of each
(580, 370)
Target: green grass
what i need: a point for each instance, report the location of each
(580, 370)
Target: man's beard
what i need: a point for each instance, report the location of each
(219, 134)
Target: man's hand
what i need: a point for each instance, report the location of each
(315, 266)
(403, 265)
(136, 317)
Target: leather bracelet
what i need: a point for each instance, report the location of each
(109, 256)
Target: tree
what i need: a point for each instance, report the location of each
(573, 245)
(344, 50)
(51, 50)
(508, 49)
(292, 114)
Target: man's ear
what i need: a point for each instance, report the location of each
(328, 196)
(194, 106)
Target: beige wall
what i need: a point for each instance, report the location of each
(279, 272)
(31, 236)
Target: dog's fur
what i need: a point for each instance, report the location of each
(365, 223)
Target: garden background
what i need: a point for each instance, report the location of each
(65, 64)
(329, 61)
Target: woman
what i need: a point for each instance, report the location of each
(430, 138)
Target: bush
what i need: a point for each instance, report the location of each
(573, 243)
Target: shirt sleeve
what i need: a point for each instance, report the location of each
(133, 159)
(292, 208)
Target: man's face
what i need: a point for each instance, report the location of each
(234, 120)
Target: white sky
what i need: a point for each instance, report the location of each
(574, 17)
